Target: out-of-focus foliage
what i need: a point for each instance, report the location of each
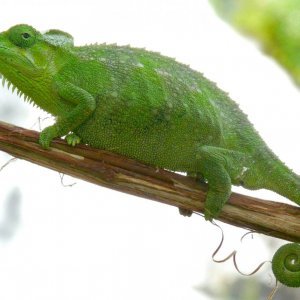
(10, 215)
(274, 23)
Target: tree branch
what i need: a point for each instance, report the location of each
(126, 175)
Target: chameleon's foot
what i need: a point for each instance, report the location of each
(47, 135)
(209, 216)
(185, 212)
(214, 203)
(73, 139)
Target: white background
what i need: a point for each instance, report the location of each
(87, 242)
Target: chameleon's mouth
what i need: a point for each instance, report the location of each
(10, 86)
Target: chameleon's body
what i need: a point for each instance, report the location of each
(144, 106)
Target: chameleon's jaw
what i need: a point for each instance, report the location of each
(13, 88)
(9, 60)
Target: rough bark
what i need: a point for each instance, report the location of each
(120, 173)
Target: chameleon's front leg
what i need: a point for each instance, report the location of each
(83, 105)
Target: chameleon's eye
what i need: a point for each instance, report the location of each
(26, 35)
(23, 36)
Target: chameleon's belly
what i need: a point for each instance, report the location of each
(163, 139)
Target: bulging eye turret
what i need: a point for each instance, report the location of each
(23, 36)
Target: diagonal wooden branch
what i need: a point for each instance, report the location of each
(132, 177)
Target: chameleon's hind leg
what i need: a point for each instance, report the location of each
(215, 164)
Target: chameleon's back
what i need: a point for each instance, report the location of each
(160, 111)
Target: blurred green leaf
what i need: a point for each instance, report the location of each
(274, 23)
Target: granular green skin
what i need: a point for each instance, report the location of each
(145, 106)
(286, 265)
(148, 107)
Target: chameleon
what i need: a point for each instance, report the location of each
(145, 106)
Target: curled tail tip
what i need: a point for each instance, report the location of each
(286, 265)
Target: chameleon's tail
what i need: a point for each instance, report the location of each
(282, 180)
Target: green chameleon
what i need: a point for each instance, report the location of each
(145, 106)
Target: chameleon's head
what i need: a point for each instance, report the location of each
(28, 58)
